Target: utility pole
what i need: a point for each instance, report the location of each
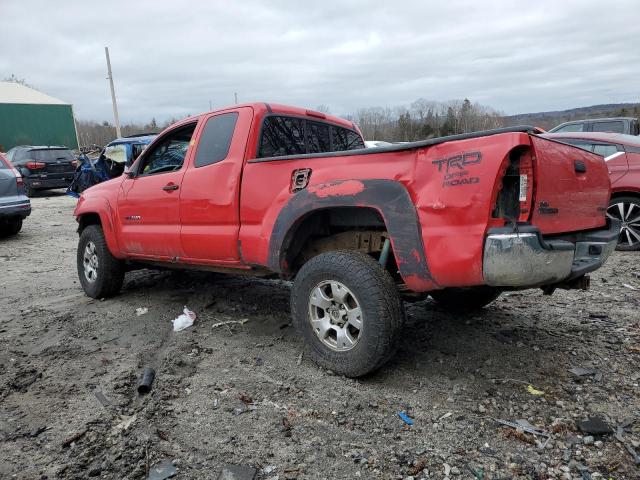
(235, 96)
(113, 94)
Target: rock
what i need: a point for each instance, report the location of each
(588, 440)
(594, 426)
(237, 472)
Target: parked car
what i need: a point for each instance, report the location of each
(113, 160)
(625, 125)
(622, 156)
(43, 168)
(274, 190)
(121, 152)
(14, 204)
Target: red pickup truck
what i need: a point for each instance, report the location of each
(276, 190)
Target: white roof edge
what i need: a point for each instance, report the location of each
(15, 93)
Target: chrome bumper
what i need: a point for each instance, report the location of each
(526, 259)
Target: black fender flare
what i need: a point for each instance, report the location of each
(390, 198)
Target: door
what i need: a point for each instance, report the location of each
(8, 183)
(210, 193)
(149, 197)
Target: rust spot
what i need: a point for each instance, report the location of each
(346, 188)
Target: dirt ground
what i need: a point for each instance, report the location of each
(242, 394)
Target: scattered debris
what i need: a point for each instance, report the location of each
(405, 418)
(533, 391)
(523, 425)
(299, 361)
(237, 472)
(230, 322)
(594, 426)
(126, 422)
(216, 403)
(161, 471)
(73, 438)
(184, 321)
(630, 287)
(104, 401)
(147, 379)
(583, 372)
(162, 435)
(629, 448)
(286, 427)
(246, 399)
(141, 311)
(259, 361)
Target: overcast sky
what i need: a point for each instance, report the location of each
(170, 59)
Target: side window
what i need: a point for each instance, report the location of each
(318, 137)
(614, 126)
(169, 154)
(574, 127)
(216, 138)
(10, 154)
(343, 139)
(578, 143)
(605, 149)
(282, 136)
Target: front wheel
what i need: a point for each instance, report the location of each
(627, 210)
(465, 299)
(348, 310)
(101, 274)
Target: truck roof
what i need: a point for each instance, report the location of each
(277, 108)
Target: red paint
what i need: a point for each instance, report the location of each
(233, 203)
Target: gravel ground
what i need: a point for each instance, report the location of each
(242, 393)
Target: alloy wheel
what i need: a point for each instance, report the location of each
(629, 214)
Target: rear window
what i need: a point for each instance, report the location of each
(283, 135)
(216, 139)
(615, 127)
(343, 139)
(51, 155)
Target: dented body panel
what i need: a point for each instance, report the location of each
(437, 198)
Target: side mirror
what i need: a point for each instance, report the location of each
(129, 172)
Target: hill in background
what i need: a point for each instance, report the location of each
(549, 120)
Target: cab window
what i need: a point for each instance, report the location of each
(573, 127)
(605, 149)
(169, 154)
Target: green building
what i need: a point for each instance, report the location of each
(29, 117)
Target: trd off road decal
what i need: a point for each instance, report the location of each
(455, 169)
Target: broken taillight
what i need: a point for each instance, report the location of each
(515, 187)
(35, 165)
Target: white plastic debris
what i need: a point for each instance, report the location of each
(141, 311)
(184, 321)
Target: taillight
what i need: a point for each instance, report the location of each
(514, 189)
(19, 180)
(35, 165)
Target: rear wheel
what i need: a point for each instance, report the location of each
(627, 210)
(10, 227)
(347, 308)
(101, 274)
(465, 299)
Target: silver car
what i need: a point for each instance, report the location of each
(14, 204)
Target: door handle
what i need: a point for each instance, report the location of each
(579, 166)
(171, 186)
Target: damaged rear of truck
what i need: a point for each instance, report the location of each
(460, 218)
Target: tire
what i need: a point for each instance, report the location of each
(465, 299)
(13, 226)
(364, 284)
(105, 273)
(29, 190)
(627, 210)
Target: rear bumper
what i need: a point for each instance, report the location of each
(48, 182)
(19, 206)
(526, 259)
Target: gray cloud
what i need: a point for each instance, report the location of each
(171, 58)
